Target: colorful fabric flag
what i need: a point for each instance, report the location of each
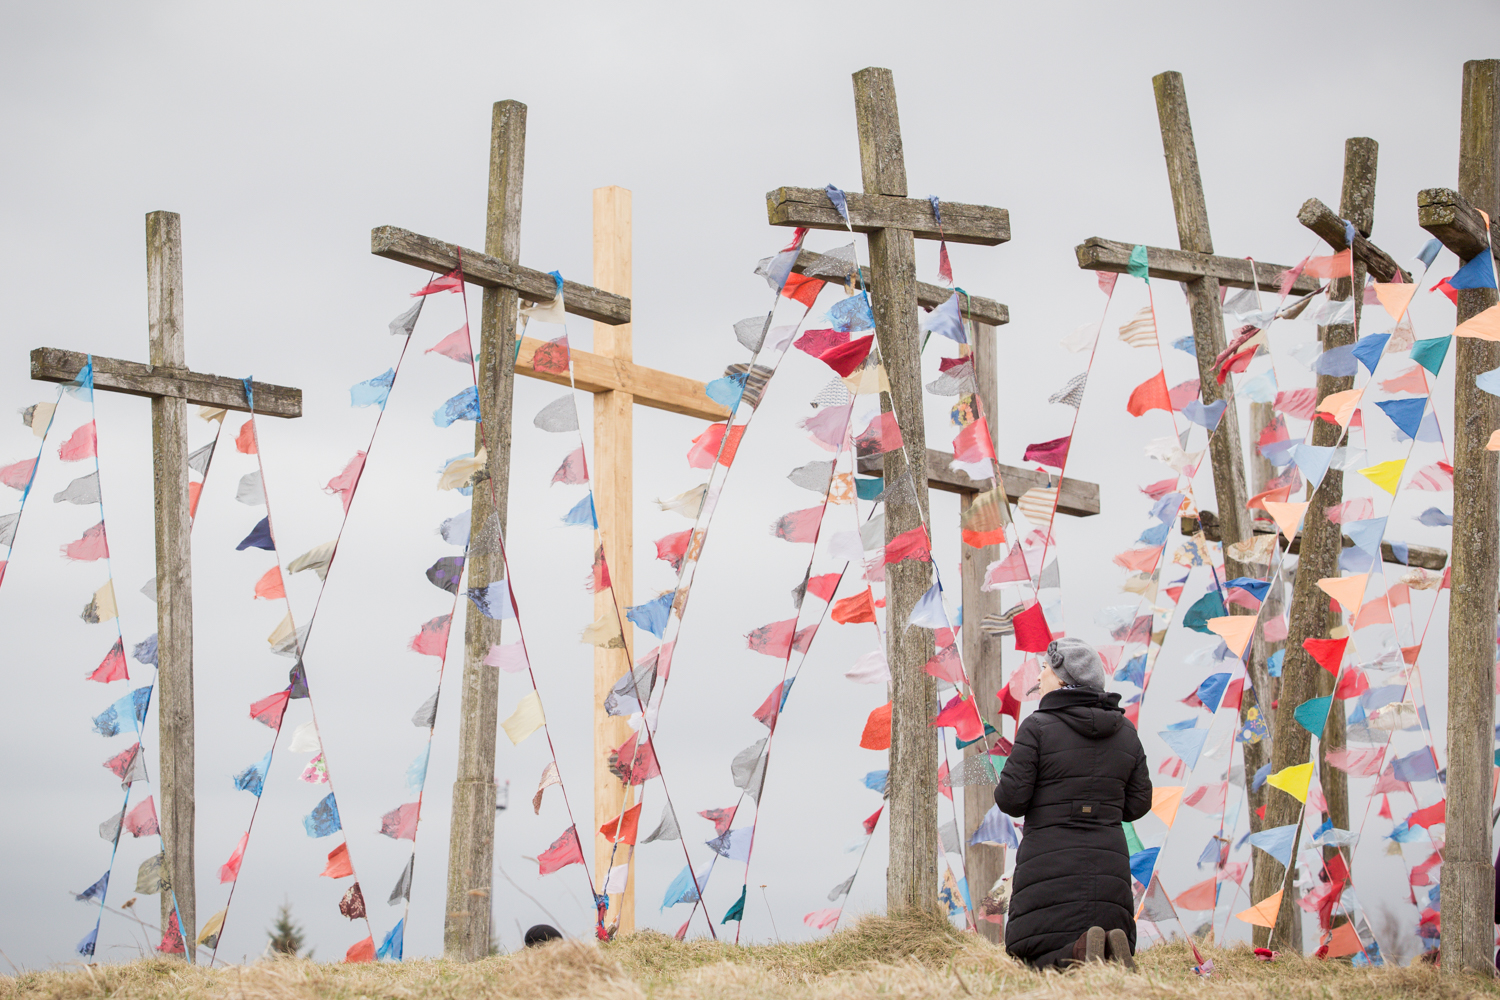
(1151, 394)
(401, 822)
(877, 732)
(527, 718)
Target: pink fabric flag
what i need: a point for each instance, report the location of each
(90, 547)
(910, 544)
(1274, 629)
(552, 357)
(433, 639)
(574, 469)
(945, 666)
(673, 548)
(1011, 569)
(823, 585)
(1053, 453)
(122, 762)
(1361, 762)
(270, 586)
(1375, 611)
(1351, 510)
(451, 282)
(113, 668)
(706, 446)
(360, 951)
(456, 346)
(244, 442)
(1336, 266)
(1184, 393)
(18, 475)
(345, 482)
(1411, 380)
(800, 525)
(1208, 798)
(881, 435)
(1299, 403)
(565, 850)
(141, 821)
(1142, 560)
(827, 427)
(774, 639)
(973, 443)
(1436, 478)
(270, 709)
(401, 822)
(820, 919)
(80, 445)
(229, 871)
(816, 342)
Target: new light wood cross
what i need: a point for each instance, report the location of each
(171, 386)
(618, 384)
(891, 221)
(1456, 218)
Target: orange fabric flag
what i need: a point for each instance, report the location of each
(1150, 395)
(1235, 630)
(270, 586)
(1395, 298)
(877, 734)
(364, 951)
(1344, 940)
(1349, 591)
(245, 442)
(1411, 380)
(1341, 405)
(1339, 265)
(1277, 495)
(1485, 326)
(1286, 515)
(855, 610)
(1197, 897)
(339, 865)
(1164, 801)
(1263, 914)
(627, 825)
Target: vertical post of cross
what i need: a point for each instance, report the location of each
(174, 572)
(471, 846)
(613, 493)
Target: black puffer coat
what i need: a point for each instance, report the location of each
(1077, 770)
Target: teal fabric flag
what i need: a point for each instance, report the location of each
(1139, 267)
(737, 911)
(1277, 841)
(1185, 743)
(682, 889)
(1312, 714)
(1430, 352)
(1210, 605)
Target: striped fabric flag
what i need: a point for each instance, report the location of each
(1037, 504)
(1141, 330)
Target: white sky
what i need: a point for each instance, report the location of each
(283, 133)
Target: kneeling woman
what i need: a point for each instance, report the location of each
(1077, 770)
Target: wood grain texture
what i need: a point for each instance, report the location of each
(657, 389)
(1075, 497)
(51, 364)
(471, 842)
(613, 492)
(1422, 556)
(174, 576)
(980, 310)
(1468, 875)
(1325, 222)
(868, 213)
(1450, 217)
(983, 863)
(1099, 254)
(489, 271)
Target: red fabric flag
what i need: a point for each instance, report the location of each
(18, 475)
(229, 871)
(552, 357)
(945, 666)
(770, 708)
(1053, 453)
(877, 734)
(93, 545)
(141, 821)
(1009, 704)
(244, 443)
(1353, 684)
(453, 281)
(823, 586)
(1032, 633)
(707, 445)
(339, 865)
(1326, 653)
(121, 762)
(673, 548)
(881, 435)
(625, 825)
(456, 346)
(847, 357)
(1385, 807)
(195, 490)
(1233, 694)
(908, 545)
(855, 610)
(1198, 897)
(364, 951)
(962, 717)
(637, 765)
(945, 788)
(565, 850)
(344, 483)
(872, 819)
(1446, 287)
(1160, 488)
(1237, 363)
(433, 639)
(1337, 870)
(270, 708)
(113, 668)
(722, 819)
(802, 288)
(1150, 395)
(1430, 816)
(171, 940)
(774, 639)
(799, 526)
(815, 342)
(401, 822)
(973, 444)
(80, 445)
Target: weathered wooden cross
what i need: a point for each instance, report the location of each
(1459, 218)
(171, 386)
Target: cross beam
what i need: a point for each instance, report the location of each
(1187, 266)
(49, 364)
(1421, 556)
(980, 310)
(1450, 217)
(870, 213)
(1074, 496)
(1329, 227)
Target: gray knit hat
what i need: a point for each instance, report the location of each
(1075, 663)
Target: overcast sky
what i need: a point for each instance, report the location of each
(283, 133)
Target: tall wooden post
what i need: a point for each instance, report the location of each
(912, 877)
(983, 865)
(612, 503)
(1262, 416)
(1468, 877)
(174, 572)
(471, 844)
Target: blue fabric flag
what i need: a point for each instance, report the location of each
(95, 891)
(840, 203)
(145, 650)
(374, 391)
(652, 616)
(1254, 587)
(1337, 361)
(1183, 724)
(416, 771)
(1368, 350)
(1405, 833)
(876, 781)
(1366, 534)
(1210, 605)
(86, 946)
(732, 844)
(682, 889)
(583, 513)
(1139, 264)
(1406, 414)
(82, 388)
(107, 722)
(786, 691)
(1133, 671)
(392, 945)
(1142, 863)
(1415, 766)
(1312, 714)
(1430, 352)
(1279, 453)
(946, 321)
(727, 391)
(493, 601)
(995, 828)
(1156, 534)
(1312, 461)
(1167, 507)
(1476, 273)
(928, 611)
(1186, 345)
(1489, 381)
(1402, 552)
(1434, 517)
(852, 313)
(1210, 855)
(324, 819)
(259, 537)
(1429, 251)
(1355, 560)
(1261, 774)
(1211, 691)
(1205, 416)
(253, 778)
(464, 406)
(1277, 841)
(1273, 662)
(1185, 743)
(1261, 388)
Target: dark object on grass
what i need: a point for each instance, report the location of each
(541, 934)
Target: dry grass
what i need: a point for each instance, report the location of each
(877, 957)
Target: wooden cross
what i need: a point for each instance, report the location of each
(891, 221)
(1458, 219)
(171, 386)
(618, 384)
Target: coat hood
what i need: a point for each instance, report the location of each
(1090, 713)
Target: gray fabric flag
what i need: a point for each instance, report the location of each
(426, 715)
(8, 528)
(251, 492)
(835, 393)
(975, 769)
(872, 532)
(403, 325)
(149, 877)
(666, 829)
(956, 381)
(558, 416)
(110, 829)
(842, 889)
(403, 884)
(198, 460)
(837, 263)
(751, 331)
(949, 834)
(1072, 393)
(455, 530)
(137, 769)
(749, 768)
(630, 691)
(1051, 576)
(813, 476)
(901, 492)
(292, 643)
(1158, 907)
(84, 489)
(799, 593)
(149, 590)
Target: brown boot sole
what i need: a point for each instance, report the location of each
(1119, 949)
(1095, 945)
